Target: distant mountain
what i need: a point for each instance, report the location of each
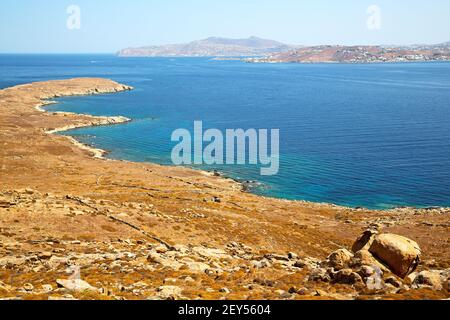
(211, 47)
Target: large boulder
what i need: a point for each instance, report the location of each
(400, 254)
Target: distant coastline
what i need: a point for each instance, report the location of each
(257, 50)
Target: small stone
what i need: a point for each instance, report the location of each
(292, 256)
(38, 269)
(410, 278)
(389, 288)
(28, 287)
(161, 249)
(300, 264)
(170, 280)
(265, 282)
(261, 264)
(276, 257)
(47, 288)
(199, 267)
(75, 285)
(292, 290)
(64, 297)
(283, 294)
(225, 290)
(365, 258)
(45, 255)
(169, 292)
(319, 274)
(393, 281)
(340, 259)
(430, 279)
(302, 291)
(347, 276)
(367, 271)
(320, 293)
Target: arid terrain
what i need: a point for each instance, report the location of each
(75, 226)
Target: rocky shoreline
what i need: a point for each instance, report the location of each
(96, 122)
(75, 227)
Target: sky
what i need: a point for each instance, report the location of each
(106, 26)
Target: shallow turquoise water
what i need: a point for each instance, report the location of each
(376, 136)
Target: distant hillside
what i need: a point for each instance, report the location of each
(359, 54)
(211, 47)
(445, 44)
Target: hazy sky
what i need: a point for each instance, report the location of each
(109, 25)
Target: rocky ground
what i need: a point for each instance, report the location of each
(77, 227)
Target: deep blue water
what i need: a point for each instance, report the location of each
(376, 136)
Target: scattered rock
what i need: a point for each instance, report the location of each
(169, 292)
(292, 256)
(367, 271)
(265, 282)
(410, 278)
(28, 287)
(365, 258)
(161, 249)
(199, 267)
(261, 264)
(300, 264)
(347, 276)
(431, 279)
(75, 285)
(225, 290)
(375, 281)
(67, 297)
(165, 262)
(393, 281)
(319, 274)
(12, 262)
(47, 288)
(340, 259)
(309, 263)
(276, 257)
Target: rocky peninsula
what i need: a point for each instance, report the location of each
(74, 225)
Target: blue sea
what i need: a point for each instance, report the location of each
(375, 136)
